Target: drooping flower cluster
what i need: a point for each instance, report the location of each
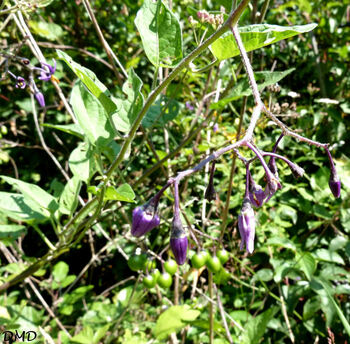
(256, 196)
(46, 73)
(145, 217)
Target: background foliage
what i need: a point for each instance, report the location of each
(296, 284)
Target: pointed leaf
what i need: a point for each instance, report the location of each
(33, 192)
(242, 88)
(123, 193)
(128, 109)
(256, 327)
(307, 264)
(82, 162)
(69, 197)
(254, 37)
(90, 80)
(19, 208)
(160, 33)
(91, 116)
(161, 112)
(173, 319)
(72, 129)
(329, 256)
(11, 231)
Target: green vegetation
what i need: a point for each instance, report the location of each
(125, 124)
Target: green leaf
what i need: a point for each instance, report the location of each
(20, 208)
(254, 37)
(85, 336)
(12, 231)
(95, 86)
(82, 162)
(60, 271)
(161, 112)
(307, 264)
(255, 328)
(50, 31)
(160, 33)
(72, 129)
(69, 198)
(263, 275)
(34, 193)
(242, 88)
(329, 306)
(123, 193)
(173, 319)
(68, 280)
(90, 336)
(338, 242)
(328, 256)
(91, 116)
(311, 306)
(279, 241)
(128, 109)
(44, 3)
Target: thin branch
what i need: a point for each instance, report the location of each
(291, 133)
(106, 47)
(223, 317)
(43, 143)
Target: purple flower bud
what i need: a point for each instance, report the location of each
(334, 181)
(215, 127)
(246, 226)
(46, 75)
(144, 219)
(40, 98)
(271, 187)
(21, 83)
(335, 184)
(210, 193)
(273, 166)
(178, 241)
(296, 170)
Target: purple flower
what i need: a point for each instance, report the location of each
(246, 226)
(20, 83)
(189, 106)
(215, 128)
(40, 98)
(46, 74)
(178, 241)
(256, 195)
(144, 219)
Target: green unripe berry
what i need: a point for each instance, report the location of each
(199, 259)
(165, 280)
(223, 255)
(149, 281)
(214, 264)
(170, 266)
(137, 261)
